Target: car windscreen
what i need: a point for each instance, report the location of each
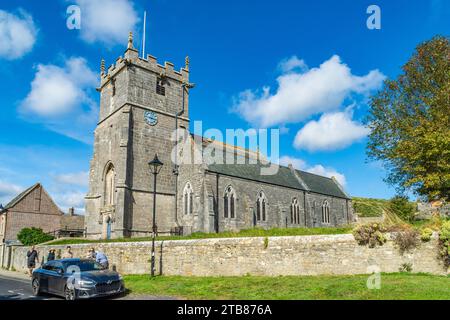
(83, 266)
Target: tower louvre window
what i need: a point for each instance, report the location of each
(160, 89)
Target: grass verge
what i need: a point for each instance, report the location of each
(400, 286)
(276, 232)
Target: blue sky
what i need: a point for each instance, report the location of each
(317, 60)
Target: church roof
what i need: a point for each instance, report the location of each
(321, 184)
(284, 177)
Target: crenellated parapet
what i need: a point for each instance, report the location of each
(132, 59)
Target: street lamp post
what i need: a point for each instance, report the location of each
(155, 167)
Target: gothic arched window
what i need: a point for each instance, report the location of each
(295, 212)
(188, 195)
(110, 185)
(229, 203)
(325, 212)
(261, 207)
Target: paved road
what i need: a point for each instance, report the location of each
(19, 288)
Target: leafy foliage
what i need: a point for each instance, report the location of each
(370, 234)
(33, 236)
(426, 234)
(405, 267)
(444, 236)
(402, 208)
(410, 123)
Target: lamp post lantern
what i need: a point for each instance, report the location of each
(155, 167)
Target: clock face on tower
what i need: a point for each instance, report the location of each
(151, 118)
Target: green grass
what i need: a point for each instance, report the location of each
(393, 287)
(370, 208)
(367, 207)
(244, 233)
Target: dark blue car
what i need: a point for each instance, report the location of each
(76, 279)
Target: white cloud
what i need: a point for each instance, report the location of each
(8, 191)
(70, 199)
(328, 172)
(300, 164)
(77, 179)
(17, 34)
(60, 97)
(333, 131)
(293, 63)
(301, 94)
(107, 21)
(296, 162)
(58, 90)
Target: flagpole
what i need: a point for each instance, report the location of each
(143, 38)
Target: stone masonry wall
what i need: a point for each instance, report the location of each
(37, 210)
(279, 200)
(301, 255)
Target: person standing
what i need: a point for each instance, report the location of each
(101, 258)
(32, 256)
(68, 254)
(51, 255)
(91, 254)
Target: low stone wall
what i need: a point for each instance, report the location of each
(302, 255)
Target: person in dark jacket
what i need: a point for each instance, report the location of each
(32, 256)
(51, 255)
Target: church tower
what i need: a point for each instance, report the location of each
(141, 103)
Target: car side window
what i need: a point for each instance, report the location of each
(49, 266)
(58, 266)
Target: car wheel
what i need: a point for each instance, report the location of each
(70, 294)
(36, 286)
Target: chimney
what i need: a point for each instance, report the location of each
(71, 212)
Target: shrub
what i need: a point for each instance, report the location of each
(33, 236)
(444, 238)
(405, 267)
(370, 234)
(401, 206)
(266, 243)
(426, 234)
(406, 239)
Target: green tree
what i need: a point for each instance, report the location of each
(410, 123)
(401, 206)
(33, 236)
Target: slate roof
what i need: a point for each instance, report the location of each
(284, 177)
(321, 184)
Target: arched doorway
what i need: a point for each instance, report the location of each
(108, 228)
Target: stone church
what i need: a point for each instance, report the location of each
(141, 105)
